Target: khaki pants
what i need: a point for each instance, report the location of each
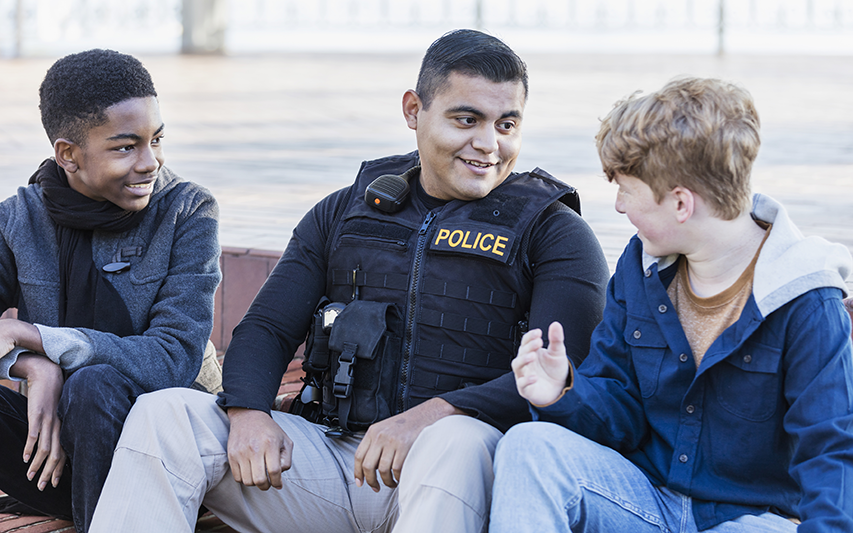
(172, 457)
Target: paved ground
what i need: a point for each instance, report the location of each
(270, 135)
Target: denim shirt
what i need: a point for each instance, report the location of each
(764, 423)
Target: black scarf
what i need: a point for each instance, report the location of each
(86, 298)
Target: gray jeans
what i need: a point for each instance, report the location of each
(172, 457)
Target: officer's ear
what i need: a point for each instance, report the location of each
(412, 105)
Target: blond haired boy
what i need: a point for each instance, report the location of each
(718, 393)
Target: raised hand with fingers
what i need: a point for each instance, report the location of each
(540, 373)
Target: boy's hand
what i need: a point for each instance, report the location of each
(540, 373)
(16, 333)
(44, 386)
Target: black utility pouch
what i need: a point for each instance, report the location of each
(365, 349)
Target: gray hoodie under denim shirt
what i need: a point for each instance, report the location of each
(770, 418)
(168, 289)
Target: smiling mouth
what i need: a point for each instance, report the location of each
(138, 186)
(478, 164)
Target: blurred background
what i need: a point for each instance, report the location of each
(272, 104)
(51, 27)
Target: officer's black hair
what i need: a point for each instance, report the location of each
(468, 52)
(78, 89)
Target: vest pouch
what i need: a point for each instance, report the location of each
(307, 403)
(365, 347)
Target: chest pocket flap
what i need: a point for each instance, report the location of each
(648, 347)
(756, 358)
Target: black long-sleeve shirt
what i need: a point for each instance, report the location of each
(569, 275)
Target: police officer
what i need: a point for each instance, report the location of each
(436, 261)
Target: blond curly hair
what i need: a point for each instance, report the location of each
(701, 134)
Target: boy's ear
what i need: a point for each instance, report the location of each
(685, 204)
(411, 106)
(65, 153)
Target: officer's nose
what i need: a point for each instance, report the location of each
(485, 140)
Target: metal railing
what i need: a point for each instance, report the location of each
(38, 27)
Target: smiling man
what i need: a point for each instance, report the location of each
(112, 263)
(415, 283)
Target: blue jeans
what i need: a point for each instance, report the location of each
(94, 403)
(548, 478)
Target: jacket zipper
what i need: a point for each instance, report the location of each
(412, 310)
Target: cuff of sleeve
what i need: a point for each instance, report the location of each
(70, 348)
(570, 382)
(226, 401)
(8, 361)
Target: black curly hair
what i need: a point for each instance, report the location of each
(78, 89)
(472, 53)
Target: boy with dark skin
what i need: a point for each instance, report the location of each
(112, 263)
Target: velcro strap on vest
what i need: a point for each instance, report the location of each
(467, 356)
(461, 291)
(477, 326)
(376, 280)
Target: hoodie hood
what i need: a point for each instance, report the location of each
(789, 264)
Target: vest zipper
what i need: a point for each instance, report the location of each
(412, 310)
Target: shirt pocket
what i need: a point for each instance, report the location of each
(648, 347)
(747, 383)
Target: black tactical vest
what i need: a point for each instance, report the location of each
(456, 280)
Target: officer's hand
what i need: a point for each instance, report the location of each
(44, 387)
(387, 443)
(540, 373)
(258, 449)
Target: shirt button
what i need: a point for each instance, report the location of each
(637, 334)
(747, 358)
(690, 409)
(648, 273)
(683, 358)
(662, 308)
(682, 458)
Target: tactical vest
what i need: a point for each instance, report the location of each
(448, 292)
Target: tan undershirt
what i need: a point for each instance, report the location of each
(704, 319)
